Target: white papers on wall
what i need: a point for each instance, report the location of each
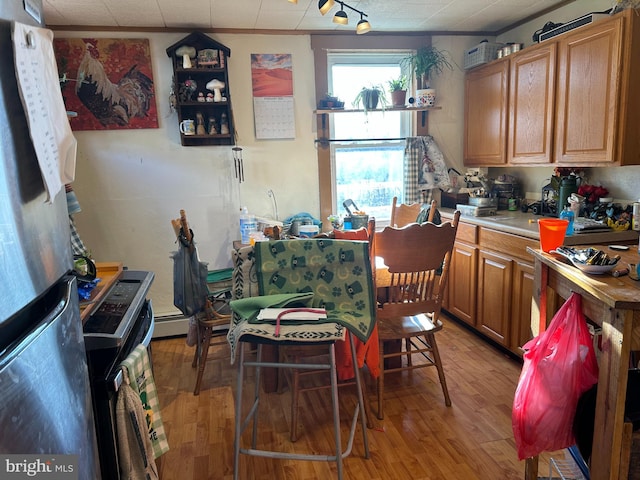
(39, 87)
(274, 117)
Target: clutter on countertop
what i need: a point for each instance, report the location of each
(291, 225)
(355, 219)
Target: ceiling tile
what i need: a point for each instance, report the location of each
(387, 15)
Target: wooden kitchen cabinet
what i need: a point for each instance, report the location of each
(591, 84)
(461, 300)
(523, 281)
(531, 105)
(495, 275)
(485, 114)
(569, 101)
(462, 284)
(491, 284)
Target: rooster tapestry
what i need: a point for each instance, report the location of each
(107, 82)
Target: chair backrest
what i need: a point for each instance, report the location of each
(403, 214)
(418, 257)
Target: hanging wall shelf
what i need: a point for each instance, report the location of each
(201, 88)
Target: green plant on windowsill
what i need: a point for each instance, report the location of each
(398, 91)
(398, 84)
(370, 97)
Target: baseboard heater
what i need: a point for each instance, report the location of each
(573, 24)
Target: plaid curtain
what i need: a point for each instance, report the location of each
(424, 169)
(413, 153)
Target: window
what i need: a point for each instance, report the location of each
(367, 158)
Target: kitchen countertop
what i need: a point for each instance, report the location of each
(526, 225)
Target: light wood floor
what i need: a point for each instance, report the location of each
(420, 438)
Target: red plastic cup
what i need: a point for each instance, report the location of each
(552, 232)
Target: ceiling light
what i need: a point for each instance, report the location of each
(325, 5)
(341, 16)
(363, 26)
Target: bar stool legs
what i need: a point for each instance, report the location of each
(241, 422)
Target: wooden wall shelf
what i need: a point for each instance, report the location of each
(389, 109)
(211, 113)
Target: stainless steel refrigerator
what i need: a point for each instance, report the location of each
(45, 396)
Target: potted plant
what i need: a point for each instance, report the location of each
(330, 101)
(398, 90)
(425, 63)
(369, 97)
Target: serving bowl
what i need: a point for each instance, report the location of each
(572, 254)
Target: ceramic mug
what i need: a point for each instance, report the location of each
(188, 127)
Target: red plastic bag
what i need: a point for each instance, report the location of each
(559, 366)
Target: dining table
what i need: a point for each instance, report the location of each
(612, 304)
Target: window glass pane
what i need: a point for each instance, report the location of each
(368, 172)
(369, 175)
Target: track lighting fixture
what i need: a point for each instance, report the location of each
(293, 1)
(363, 25)
(325, 5)
(341, 16)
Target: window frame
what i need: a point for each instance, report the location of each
(320, 45)
(406, 120)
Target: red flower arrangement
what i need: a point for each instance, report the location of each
(592, 193)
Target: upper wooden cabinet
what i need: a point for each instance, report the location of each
(531, 105)
(570, 101)
(590, 86)
(485, 114)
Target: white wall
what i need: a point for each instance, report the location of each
(131, 183)
(447, 125)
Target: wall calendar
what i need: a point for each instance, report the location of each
(272, 86)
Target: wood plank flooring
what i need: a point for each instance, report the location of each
(420, 438)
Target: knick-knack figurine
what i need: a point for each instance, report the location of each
(201, 97)
(224, 124)
(213, 126)
(216, 86)
(200, 124)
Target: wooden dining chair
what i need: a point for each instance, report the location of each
(417, 258)
(300, 381)
(403, 214)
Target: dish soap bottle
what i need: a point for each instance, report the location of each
(567, 214)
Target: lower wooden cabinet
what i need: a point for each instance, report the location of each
(463, 282)
(491, 285)
(521, 305)
(495, 276)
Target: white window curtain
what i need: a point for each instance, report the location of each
(424, 169)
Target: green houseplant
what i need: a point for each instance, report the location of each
(369, 97)
(398, 90)
(426, 62)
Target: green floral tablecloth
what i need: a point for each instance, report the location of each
(337, 273)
